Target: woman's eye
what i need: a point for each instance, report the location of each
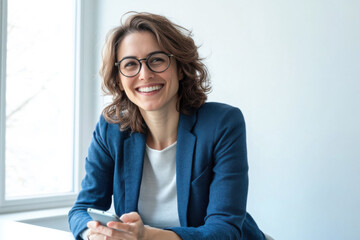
(156, 60)
(130, 64)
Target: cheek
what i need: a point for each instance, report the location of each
(125, 84)
(174, 75)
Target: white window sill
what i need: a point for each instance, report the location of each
(33, 215)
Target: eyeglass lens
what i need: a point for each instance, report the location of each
(157, 62)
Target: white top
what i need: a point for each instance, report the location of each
(158, 196)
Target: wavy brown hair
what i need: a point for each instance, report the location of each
(174, 39)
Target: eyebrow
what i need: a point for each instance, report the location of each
(158, 51)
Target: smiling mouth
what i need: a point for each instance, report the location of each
(150, 89)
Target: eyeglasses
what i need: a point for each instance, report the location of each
(157, 62)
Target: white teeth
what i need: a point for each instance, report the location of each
(150, 89)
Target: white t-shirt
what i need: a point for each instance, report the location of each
(158, 196)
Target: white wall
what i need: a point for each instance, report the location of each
(293, 67)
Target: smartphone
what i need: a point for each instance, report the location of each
(103, 217)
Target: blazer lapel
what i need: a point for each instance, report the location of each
(134, 150)
(184, 158)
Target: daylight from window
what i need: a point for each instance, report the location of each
(39, 98)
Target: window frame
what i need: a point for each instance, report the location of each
(82, 112)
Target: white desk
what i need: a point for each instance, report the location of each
(10, 230)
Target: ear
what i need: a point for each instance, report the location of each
(180, 74)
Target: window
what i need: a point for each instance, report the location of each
(38, 104)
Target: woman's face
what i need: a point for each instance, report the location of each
(148, 90)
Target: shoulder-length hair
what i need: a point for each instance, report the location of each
(171, 37)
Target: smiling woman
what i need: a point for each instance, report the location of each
(175, 166)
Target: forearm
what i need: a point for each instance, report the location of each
(160, 234)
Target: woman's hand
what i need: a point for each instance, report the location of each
(131, 228)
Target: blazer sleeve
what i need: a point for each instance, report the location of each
(97, 184)
(226, 210)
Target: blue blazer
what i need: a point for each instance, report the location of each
(211, 175)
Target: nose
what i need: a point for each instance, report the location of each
(145, 73)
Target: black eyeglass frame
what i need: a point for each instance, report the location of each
(117, 64)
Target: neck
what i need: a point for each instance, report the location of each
(162, 127)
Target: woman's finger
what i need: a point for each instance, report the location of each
(123, 227)
(113, 232)
(92, 224)
(98, 236)
(130, 217)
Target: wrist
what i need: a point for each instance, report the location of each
(159, 234)
(147, 232)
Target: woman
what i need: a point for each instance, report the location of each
(175, 165)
